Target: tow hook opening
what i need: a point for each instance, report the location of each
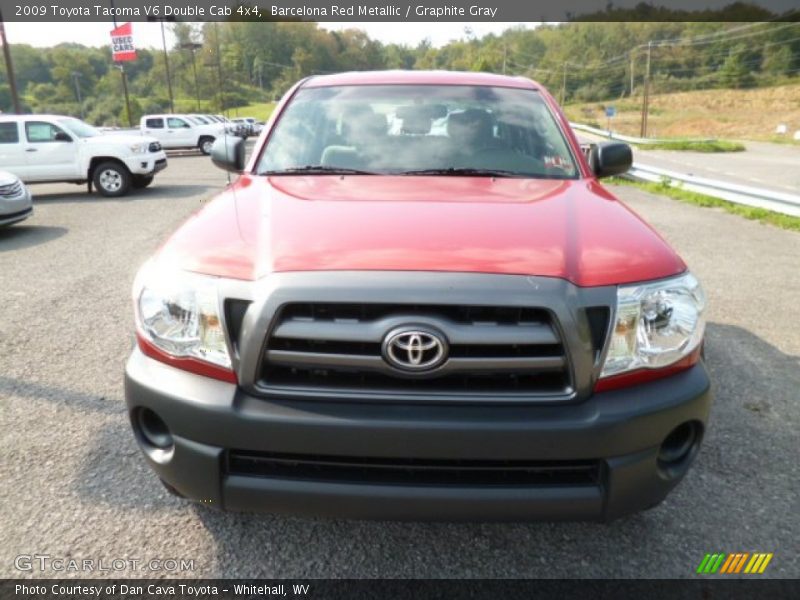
(679, 449)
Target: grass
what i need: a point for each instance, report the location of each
(733, 114)
(696, 146)
(784, 139)
(260, 111)
(748, 212)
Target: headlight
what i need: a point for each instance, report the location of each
(657, 324)
(139, 148)
(178, 312)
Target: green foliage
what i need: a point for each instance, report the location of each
(698, 146)
(242, 64)
(735, 72)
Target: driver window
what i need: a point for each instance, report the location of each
(174, 123)
(39, 131)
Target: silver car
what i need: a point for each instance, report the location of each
(15, 199)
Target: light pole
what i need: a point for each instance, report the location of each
(219, 69)
(166, 64)
(194, 47)
(75, 77)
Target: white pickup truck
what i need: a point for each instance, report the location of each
(53, 148)
(181, 131)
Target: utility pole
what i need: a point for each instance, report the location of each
(646, 95)
(75, 77)
(563, 85)
(633, 63)
(166, 64)
(505, 55)
(12, 80)
(122, 74)
(194, 46)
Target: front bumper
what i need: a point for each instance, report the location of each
(147, 164)
(14, 210)
(621, 430)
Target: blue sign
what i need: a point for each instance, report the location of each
(611, 111)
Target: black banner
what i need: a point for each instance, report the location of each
(397, 589)
(397, 10)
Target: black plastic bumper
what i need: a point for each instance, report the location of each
(621, 430)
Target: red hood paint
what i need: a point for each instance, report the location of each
(571, 229)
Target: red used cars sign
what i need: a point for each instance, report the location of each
(122, 47)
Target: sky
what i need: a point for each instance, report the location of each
(149, 34)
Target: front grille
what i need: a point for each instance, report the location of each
(11, 190)
(493, 350)
(154, 147)
(340, 469)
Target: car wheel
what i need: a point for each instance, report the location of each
(142, 181)
(205, 145)
(112, 179)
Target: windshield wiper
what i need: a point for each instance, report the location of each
(457, 171)
(318, 170)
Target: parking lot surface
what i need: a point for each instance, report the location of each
(74, 485)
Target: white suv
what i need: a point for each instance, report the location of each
(54, 148)
(181, 131)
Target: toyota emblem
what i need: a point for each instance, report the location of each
(414, 349)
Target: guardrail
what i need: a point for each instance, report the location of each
(629, 138)
(787, 204)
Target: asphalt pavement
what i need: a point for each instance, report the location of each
(73, 483)
(764, 165)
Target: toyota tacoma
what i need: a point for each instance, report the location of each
(418, 302)
(53, 148)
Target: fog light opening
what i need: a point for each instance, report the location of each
(679, 447)
(153, 434)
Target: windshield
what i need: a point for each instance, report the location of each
(201, 119)
(405, 129)
(79, 128)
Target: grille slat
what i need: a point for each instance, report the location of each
(319, 347)
(11, 190)
(373, 331)
(417, 471)
(322, 360)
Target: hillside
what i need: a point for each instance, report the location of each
(733, 114)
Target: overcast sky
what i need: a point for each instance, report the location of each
(149, 34)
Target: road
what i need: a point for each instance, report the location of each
(763, 165)
(74, 484)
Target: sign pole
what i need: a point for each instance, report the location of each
(123, 75)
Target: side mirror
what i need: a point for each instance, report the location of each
(610, 158)
(62, 137)
(228, 153)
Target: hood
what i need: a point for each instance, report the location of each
(127, 139)
(7, 178)
(571, 229)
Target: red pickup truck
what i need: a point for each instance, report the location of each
(418, 302)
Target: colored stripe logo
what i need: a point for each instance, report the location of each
(738, 562)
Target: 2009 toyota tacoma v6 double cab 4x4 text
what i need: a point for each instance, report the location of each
(417, 302)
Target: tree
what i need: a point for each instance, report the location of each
(778, 59)
(734, 72)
